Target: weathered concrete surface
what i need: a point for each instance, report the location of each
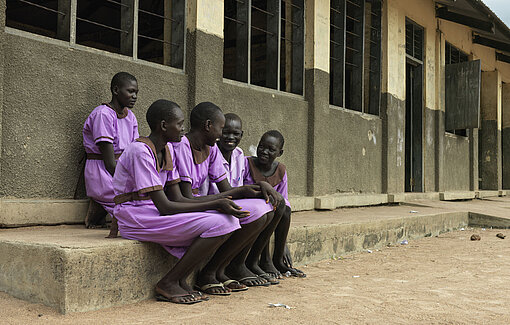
(25, 212)
(75, 269)
(456, 163)
(485, 194)
(482, 220)
(393, 134)
(421, 196)
(42, 127)
(331, 202)
(301, 203)
(396, 197)
(457, 195)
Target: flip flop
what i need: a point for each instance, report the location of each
(297, 273)
(269, 278)
(227, 284)
(175, 299)
(209, 286)
(248, 284)
(276, 275)
(200, 295)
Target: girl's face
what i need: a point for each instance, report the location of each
(268, 150)
(231, 135)
(215, 128)
(127, 93)
(174, 128)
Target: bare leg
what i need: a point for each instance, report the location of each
(114, 229)
(200, 250)
(214, 272)
(281, 249)
(96, 216)
(262, 245)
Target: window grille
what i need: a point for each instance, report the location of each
(263, 43)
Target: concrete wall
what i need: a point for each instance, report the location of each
(48, 87)
(49, 90)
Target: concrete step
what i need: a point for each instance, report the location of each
(457, 195)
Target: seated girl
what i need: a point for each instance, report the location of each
(198, 160)
(108, 130)
(150, 207)
(264, 167)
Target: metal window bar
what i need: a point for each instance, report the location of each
(336, 27)
(336, 11)
(291, 4)
(117, 3)
(102, 25)
(352, 18)
(353, 3)
(235, 20)
(158, 40)
(352, 33)
(262, 30)
(291, 22)
(156, 15)
(263, 11)
(42, 7)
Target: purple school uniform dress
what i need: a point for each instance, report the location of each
(105, 125)
(138, 173)
(197, 167)
(278, 180)
(235, 172)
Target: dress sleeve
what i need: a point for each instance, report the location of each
(173, 175)
(145, 176)
(247, 179)
(103, 128)
(136, 135)
(217, 171)
(282, 187)
(183, 161)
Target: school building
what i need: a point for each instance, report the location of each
(379, 101)
(375, 98)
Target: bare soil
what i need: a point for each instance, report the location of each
(439, 280)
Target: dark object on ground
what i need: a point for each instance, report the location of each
(475, 237)
(500, 235)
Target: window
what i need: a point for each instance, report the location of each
(414, 41)
(161, 32)
(263, 43)
(49, 18)
(355, 54)
(454, 55)
(108, 25)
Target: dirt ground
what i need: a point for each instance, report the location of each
(439, 280)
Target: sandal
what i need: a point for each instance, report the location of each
(207, 289)
(269, 278)
(235, 285)
(246, 282)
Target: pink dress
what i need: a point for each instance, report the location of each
(278, 180)
(235, 172)
(137, 174)
(197, 167)
(105, 125)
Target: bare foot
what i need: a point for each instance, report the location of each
(242, 272)
(173, 292)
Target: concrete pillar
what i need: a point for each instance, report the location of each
(204, 51)
(317, 94)
(2, 60)
(393, 99)
(440, 116)
(489, 138)
(505, 135)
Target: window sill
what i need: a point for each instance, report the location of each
(366, 116)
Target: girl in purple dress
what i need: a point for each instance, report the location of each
(264, 167)
(108, 130)
(150, 207)
(198, 159)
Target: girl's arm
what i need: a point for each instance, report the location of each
(174, 193)
(166, 207)
(225, 189)
(108, 155)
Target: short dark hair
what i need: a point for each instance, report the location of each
(160, 110)
(233, 117)
(275, 134)
(120, 78)
(203, 112)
